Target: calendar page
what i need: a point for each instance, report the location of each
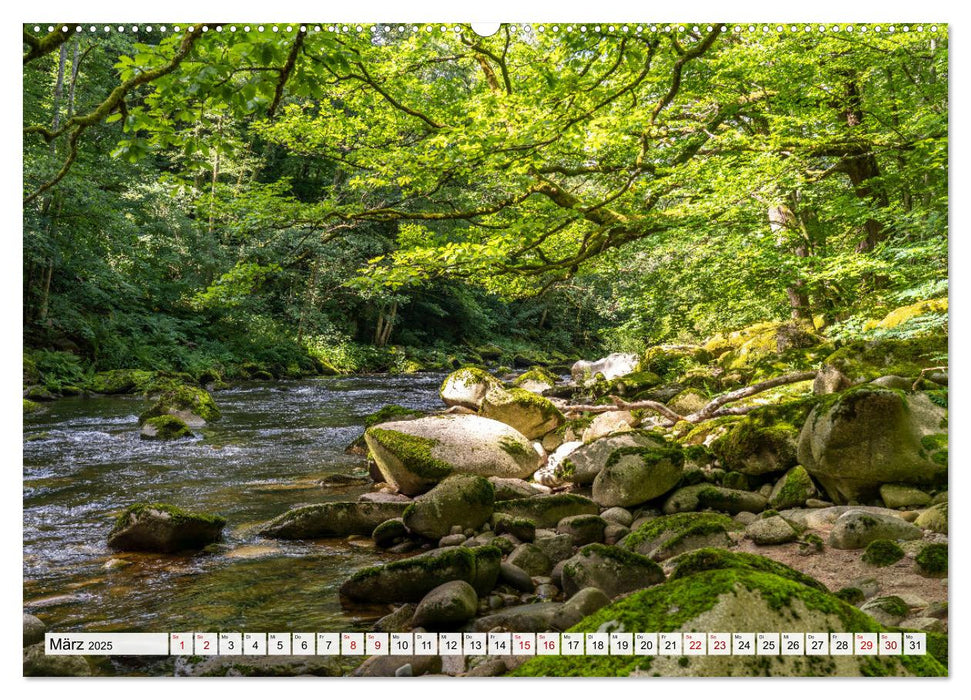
(530, 349)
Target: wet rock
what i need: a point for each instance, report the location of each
(262, 666)
(383, 497)
(164, 428)
(336, 519)
(161, 527)
(856, 529)
(463, 499)
(415, 455)
(613, 570)
(514, 576)
(448, 605)
(409, 580)
(194, 406)
(390, 533)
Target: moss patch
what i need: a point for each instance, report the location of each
(932, 560)
(677, 527)
(413, 451)
(671, 606)
(184, 398)
(31, 406)
(882, 553)
(166, 428)
(713, 559)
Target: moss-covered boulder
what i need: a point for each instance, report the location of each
(467, 387)
(191, 404)
(730, 500)
(164, 428)
(583, 464)
(531, 560)
(447, 606)
(415, 455)
(31, 407)
(611, 569)
(856, 441)
(161, 527)
(582, 529)
(932, 560)
(634, 475)
(610, 367)
(548, 511)
(855, 529)
(670, 535)
(385, 414)
(882, 553)
(530, 414)
(410, 580)
(792, 490)
(757, 444)
(119, 381)
(536, 380)
(389, 533)
(933, 519)
(337, 519)
(465, 500)
(713, 558)
(740, 600)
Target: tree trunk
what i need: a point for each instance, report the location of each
(863, 169)
(783, 219)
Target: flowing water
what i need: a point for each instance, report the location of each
(84, 463)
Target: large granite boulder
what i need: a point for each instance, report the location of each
(869, 436)
(415, 455)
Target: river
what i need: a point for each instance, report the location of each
(84, 463)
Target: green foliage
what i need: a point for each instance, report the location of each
(550, 196)
(882, 553)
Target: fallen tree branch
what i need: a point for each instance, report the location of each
(711, 410)
(621, 405)
(714, 409)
